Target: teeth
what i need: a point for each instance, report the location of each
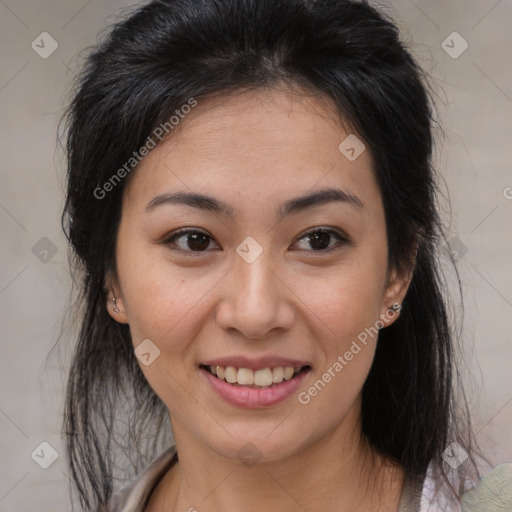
(263, 377)
(288, 372)
(231, 374)
(277, 374)
(247, 377)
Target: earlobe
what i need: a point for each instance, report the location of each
(391, 314)
(115, 303)
(115, 308)
(393, 297)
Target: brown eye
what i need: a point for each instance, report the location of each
(189, 240)
(321, 240)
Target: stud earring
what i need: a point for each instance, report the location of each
(116, 309)
(396, 307)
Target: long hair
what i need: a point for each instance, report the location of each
(151, 64)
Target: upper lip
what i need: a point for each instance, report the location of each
(255, 363)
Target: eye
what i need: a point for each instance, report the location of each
(189, 240)
(320, 240)
(195, 241)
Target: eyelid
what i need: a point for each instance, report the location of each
(168, 239)
(342, 239)
(184, 231)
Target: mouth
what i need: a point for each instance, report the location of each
(264, 385)
(263, 378)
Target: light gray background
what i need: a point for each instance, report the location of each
(475, 101)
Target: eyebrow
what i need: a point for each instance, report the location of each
(292, 206)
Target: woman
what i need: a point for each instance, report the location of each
(252, 203)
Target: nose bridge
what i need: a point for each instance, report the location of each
(256, 301)
(254, 281)
(251, 268)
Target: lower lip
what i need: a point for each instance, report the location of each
(252, 398)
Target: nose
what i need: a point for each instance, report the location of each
(255, 299)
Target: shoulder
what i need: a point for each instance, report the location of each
(492, 492)
(134, 496)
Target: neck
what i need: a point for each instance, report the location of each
(338, 472)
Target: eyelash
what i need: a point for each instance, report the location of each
(342, 240)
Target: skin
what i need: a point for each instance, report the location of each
(253, 151)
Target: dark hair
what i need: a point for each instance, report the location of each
(155, 61)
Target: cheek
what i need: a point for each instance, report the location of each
(160, 302)
(348, 300)
(347, 334)
(165, 303)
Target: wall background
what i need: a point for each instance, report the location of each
(475, 103)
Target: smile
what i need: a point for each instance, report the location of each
(263, 378)
(247, 388)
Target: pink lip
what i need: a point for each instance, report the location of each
(257, 363)
(253, 398)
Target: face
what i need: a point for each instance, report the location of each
(267, 270)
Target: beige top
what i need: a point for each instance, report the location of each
(492, 493)
(135, 496)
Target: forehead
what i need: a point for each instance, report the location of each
(269, 144)
(276, 120)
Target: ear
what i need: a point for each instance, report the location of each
(396, 289)
(114, 300)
